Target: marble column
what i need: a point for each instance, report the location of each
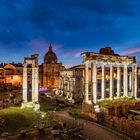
(33, 82)
(86, 94)
(125, 80)
(111, 81)
(118, 80)
(24, 82)
(134, 80)
(130, 81)
(94, 80)
(36, 84)
(103, 81)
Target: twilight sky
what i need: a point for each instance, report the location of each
(71, 26)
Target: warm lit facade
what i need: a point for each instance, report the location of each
(11, 74)
(49, 72)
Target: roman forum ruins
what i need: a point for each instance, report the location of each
(125, 85)
(34, 103)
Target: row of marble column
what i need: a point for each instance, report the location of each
(34, 83)
(94, 81)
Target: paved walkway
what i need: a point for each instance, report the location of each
(92, 131)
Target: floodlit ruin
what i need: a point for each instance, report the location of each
(34, 103)
(126, 85)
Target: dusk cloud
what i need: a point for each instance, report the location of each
(28, 26)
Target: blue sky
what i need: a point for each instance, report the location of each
(71, 26)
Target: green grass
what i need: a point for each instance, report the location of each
(77, 113)
(18, 119)
(117, 102)
(58, 104)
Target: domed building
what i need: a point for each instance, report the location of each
(49, 71)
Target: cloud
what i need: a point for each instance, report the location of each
(71, 26)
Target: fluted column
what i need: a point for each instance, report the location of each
(134, 80)
(86, 96)
(118, 80)
(94, 80)
(111, 81)
(25, 82)
(103, 81)
(125, 80)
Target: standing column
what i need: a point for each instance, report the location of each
(94, 81)
(134, 80)
(111, 81)
(118, 80)
(36, 84)
(24, 82)
(103, 81)
(86, 82)
(125, 80)
(33, 82)
(130, 81)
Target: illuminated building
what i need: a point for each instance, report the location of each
(49, 72)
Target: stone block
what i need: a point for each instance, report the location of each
(137, 105)
(118, 111)
(125, 110)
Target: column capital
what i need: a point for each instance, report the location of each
(94, 61)
(118, 64)
(102, 62)
(134, 64)
(125, 63)
(25, 65)
(111, 63)
(86, 62)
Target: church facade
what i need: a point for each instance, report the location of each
(49, 70)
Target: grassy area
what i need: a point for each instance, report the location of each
(55, 104)
(117, 102)
(77, 113)
(17, 119)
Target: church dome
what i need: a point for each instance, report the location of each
(50, 57)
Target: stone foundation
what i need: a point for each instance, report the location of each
(35, 106)
(87, 108)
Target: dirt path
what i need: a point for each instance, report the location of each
(92, 131)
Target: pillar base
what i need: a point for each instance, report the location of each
(97, 108)
(87, 108)
(36, 107)
(32, 105)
